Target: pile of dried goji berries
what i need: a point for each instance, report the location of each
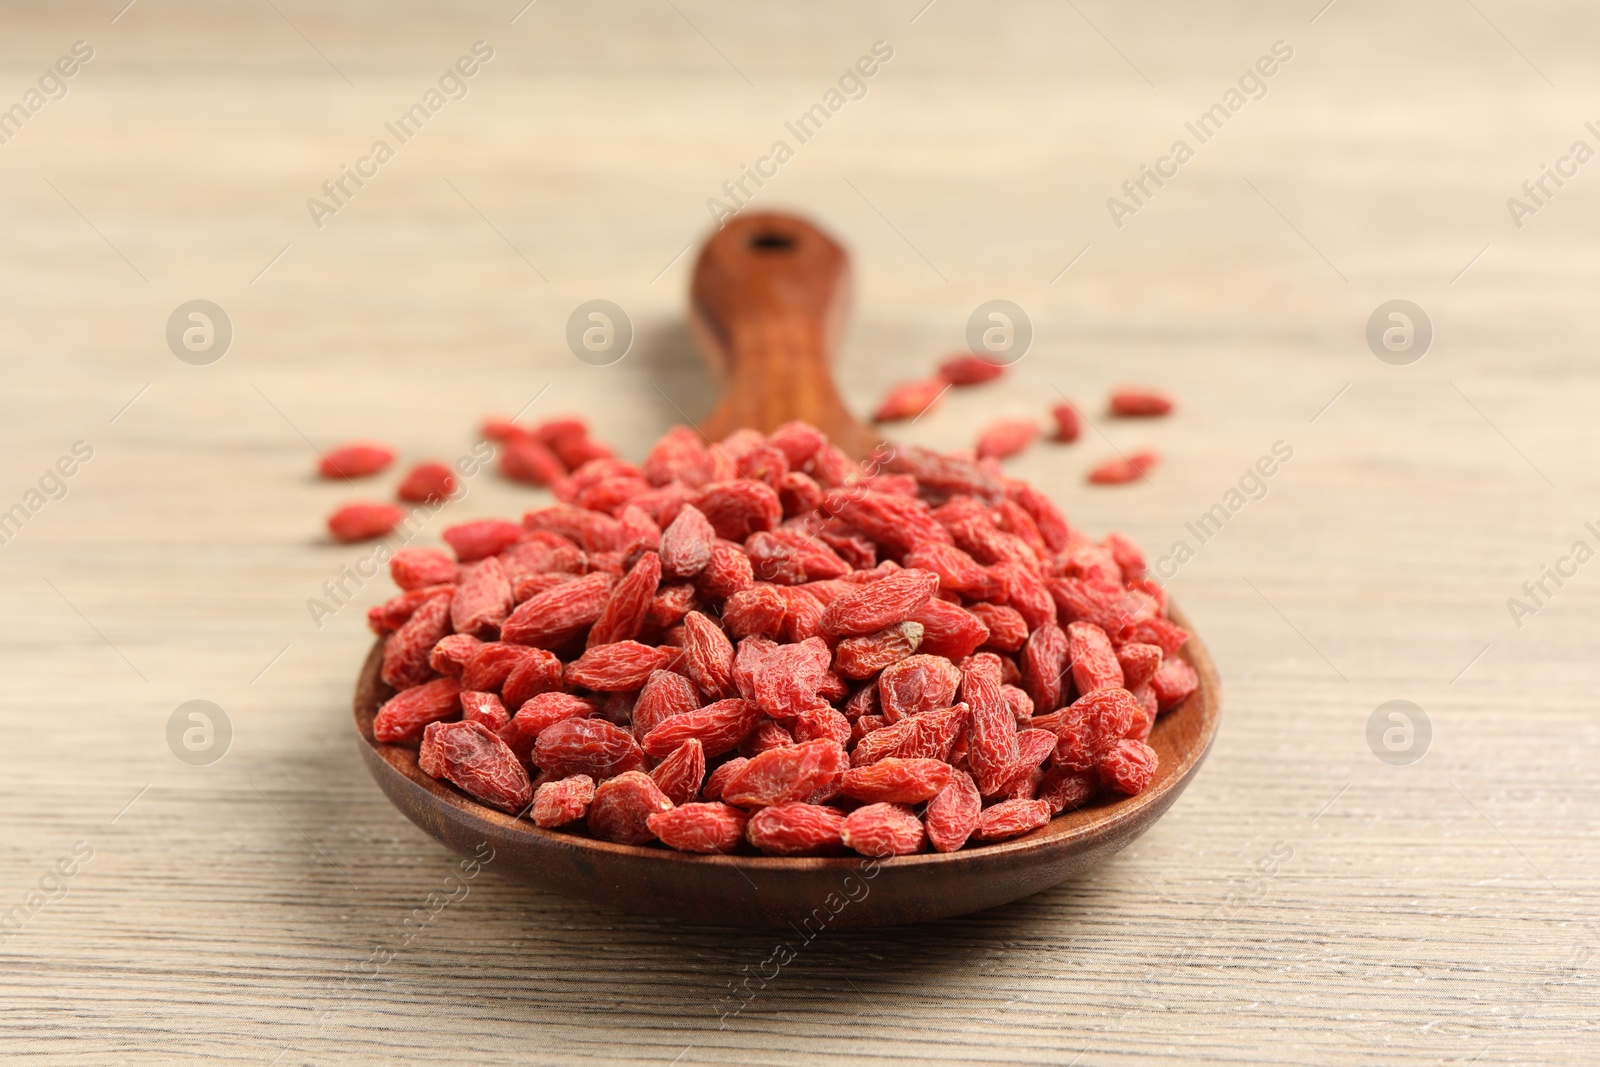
(759, 645)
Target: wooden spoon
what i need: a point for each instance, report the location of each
(769, 294)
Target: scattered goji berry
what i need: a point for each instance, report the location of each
(363, 522)
(1006, 437)
(969, 369)
(1128, 402)
(909, 399)
(357, 459)
(1068, 425)
(427, 483)
(1123, 470)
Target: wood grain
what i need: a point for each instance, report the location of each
(1304, 903)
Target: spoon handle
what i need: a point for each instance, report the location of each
(768, 302)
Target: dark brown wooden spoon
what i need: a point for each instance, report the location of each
(769, 294)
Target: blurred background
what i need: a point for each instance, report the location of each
(1428, 903)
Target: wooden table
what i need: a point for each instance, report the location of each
(1305, 902)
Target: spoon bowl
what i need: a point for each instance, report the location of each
(808, 893)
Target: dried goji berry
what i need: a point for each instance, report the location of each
(708, 657)
(882, 603)
(1068, 425)
(1094, 661)
(1006, 437)
(883, 830)
(1128, 766)
(483, 599)
(405, 715)
(948, 630)
(1007, 628)
(1090, 725)
(719, 778)
(737, 509)
(909, 399)
(355, 460)
(917, 684)
(902, 781)
(686, 543)
(427, 483)
(407, 650)
(418, 568)
(622, 807)
(992, 731)
(363, 522)
(535, 672)
(969, 369)
(1044, 660)
(1173, 682)
(757, 610)
(477, 761)
(1128, 402)
(796, 829)
(862, 657)
(616, 667)
(930, 735)
(718, 727)
(766, 736)
(557, 615)
(788, 774)
(664, 695)
(565, 800)
(585, 746)
(680, 774)
(710, 828)
(1011, 818)
(625, 611)
(452, 653)
(1124, 469)
(526, 460)
(485, 708)
(728, 572)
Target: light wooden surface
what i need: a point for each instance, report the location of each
(1441, 912)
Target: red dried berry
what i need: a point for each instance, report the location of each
(880, 604)
(917, 684)
(625, 611)
(948, 630)
(483, 599)
(883, 830)
(785, 775)
(405, 715)
(680, 774)
(560, 802)
(719, 778)
(363, 522)
(355, 460)
(757, 610)
(1139, 663)
(1092, 724)
(535, 673)
(1007, 628)
(452, 653)
(969, 369)
(407, 650)
(1065, 789)
(484, 708)
(708, 657)
(822, 724)
(718, 727)
(909, 399)
(728, 572)
(477, 761)
(1068, 425)
(708, 828)
(1132, 403)
(556, 616)
(766, 736)
(1094, 661)
(1123, 470)
(952, 815)
(622, 807)
(1128, 766)
(418, 568)
(585, 746)
(616, 667)
(686, 543)
(896, 780)
(526, 460)
(796, 829)
(931, 735)
(737, 509)
(862, 657)
(1174, 682)
(1006, 437)
(664, 695)
(1011, 818)
(473, 541)
(1044, 660)
(427, 483)
(992, 732)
